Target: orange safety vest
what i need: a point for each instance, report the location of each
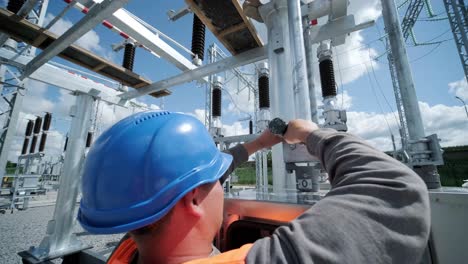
(126, 250)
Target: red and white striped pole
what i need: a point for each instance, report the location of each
(108, 25)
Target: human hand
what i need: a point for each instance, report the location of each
(299, 130)
(267, 139)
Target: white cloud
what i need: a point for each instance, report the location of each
(89, 41)
(448, 122)
(31, 104)
(235, 129)
(199, 114)
(343, 101)
(459, 88)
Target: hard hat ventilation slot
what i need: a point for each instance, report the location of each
(150, 116)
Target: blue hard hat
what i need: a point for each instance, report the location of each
(137, 170)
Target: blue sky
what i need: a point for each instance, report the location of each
(434, 68)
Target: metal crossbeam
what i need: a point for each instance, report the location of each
(245, 58)
(457, 15)
(55, 76)
(23, 12)
(412, 13)
(95, 16)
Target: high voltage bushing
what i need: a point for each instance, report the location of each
(264, 91)
(47, 122)
(27, 133)
(37, 130)
(24, 150)
(37, 125)
(66, 144)
(129, 56)
(89, 139)
(32, 149)
(42, 142)
(198, 38)
(216, 102)
(15, 5)
(29, 128)
(327, 77)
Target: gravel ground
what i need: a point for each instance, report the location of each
(22, 229)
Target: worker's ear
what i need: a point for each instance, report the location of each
(191, 202)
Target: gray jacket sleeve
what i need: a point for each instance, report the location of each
(376, 212)
(239, 156)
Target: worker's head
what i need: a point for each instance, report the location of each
(148, 168)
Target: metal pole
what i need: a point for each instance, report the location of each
(59, 239)
(403, 68)
(275, 15)
(310, 57)
(298, 58)
(408, 92)
(464, 104)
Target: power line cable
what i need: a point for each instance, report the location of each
(381, 90)
(427, 54)
(377, 100)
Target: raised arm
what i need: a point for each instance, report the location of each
(376, 212)
(241, 152)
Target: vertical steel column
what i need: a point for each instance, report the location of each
(16, 102)
(298, 58)
(408, 92)
(403, 68)
(310, 58)
(59, 239)
(11, 120)
(275, 15)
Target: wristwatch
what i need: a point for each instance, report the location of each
(278, 127)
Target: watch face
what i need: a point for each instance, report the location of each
(278, 126)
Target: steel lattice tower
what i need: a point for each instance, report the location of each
(456, 13)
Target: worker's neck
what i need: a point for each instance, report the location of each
(175, 246)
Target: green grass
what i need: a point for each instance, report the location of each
(246, 175)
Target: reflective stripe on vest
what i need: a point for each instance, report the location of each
(127, 249)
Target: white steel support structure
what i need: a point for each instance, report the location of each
(14, 97)
(275, 15)
(310, 58)
(419, 147)
(95, 16)
(245, 58)
(298, 57)
(61, 78)
(215, 54)
(59, 240)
